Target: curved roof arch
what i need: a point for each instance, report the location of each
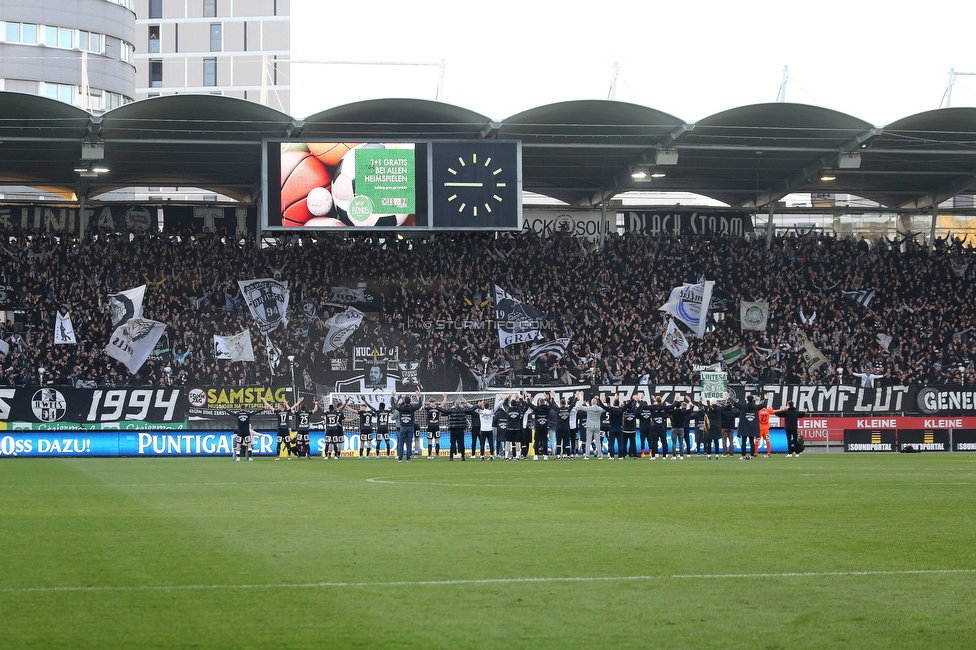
(384, 119)
(40, 141)
(581, 152)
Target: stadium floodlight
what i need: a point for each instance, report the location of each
(849, 160)
(827, 175)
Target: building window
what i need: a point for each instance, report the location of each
(66, 38)
(155, 8)
(210, 72)
(30, 34)
(95, 43)
(51, 36)
(154, 39)
(209, 8)
(215, 37)
(155, 73)
(13, 32)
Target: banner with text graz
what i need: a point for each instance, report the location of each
(35, 407)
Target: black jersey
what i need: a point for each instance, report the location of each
(303, 421)
(333, 421)
(433, 419)
(244, 421)
(365, 422)
(284, 417)
(383, 421)
(564, 415)
(630, 419)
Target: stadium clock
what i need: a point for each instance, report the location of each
(476, 185)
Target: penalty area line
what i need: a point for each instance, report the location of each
(487, 581)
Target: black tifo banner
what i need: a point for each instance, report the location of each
(132, 218)
(165, 405)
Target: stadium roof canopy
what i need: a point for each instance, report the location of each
(581, 152)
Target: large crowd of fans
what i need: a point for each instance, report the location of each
(435, 299)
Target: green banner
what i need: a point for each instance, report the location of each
(385, 179)
(714, 385)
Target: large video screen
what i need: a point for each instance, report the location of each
(425, 185)
(320, 185)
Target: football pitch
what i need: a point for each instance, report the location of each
(821, 551)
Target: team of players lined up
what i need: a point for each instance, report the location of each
(631, 429)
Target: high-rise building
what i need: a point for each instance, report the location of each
(238, 48)
(76, 51)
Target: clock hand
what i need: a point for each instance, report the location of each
(464, 184)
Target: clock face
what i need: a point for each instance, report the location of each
(475, 185)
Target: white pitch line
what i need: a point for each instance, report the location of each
(491, 581)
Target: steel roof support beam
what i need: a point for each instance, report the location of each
(940, 194)
(801, 176)
(623, 180)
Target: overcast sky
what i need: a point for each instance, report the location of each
(878, 61)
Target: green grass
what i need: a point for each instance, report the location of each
(824, 551)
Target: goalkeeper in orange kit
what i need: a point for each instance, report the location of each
(764, 414)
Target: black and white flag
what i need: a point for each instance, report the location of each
(517, 322)
(235, 348)
(267, 300)
(862, 297)
(133, 342)
(126, 304)
(64, 333)
(341, 326)
(308, 310)
(689, 303)
(274, 354)
(557, 348)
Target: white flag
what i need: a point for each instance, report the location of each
(753, 315)
(674, 340)
(689, 304)
(267, 300)
(274, 354)
(885, 340)
(236, 348)
(341, 326)
(126, 304)
(133, 342)
(64, 333)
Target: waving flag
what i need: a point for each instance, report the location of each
(689, 304)
(133, 342)
(557, 348)
(341, 326)
(64, 333)
(674, 340)
(517, 322)
(236, 348)
(267, 300)
(126, 304)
